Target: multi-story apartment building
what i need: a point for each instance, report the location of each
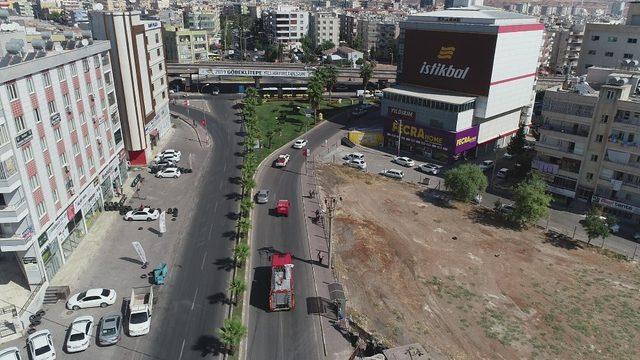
(140, 74)
(462, 3)
(201, 19)
(348, 28)
(23, 8)
(286, 24)
(186, 46)
(61, 148)
(567, 44)
(378, 37)
(325, 26)
(589, 144)
(606, 45)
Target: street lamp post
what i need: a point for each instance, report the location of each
(399, 135)
(495, 162)
(331, 203)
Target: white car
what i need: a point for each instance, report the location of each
(486, 165)
(282, 160)
(41, 346)
(393, 173)
(299, 144)
(168, 154)
(378, 93)
(170, 172)
(356, 163)
(502, 173)
(404, 161)
(143, 214)
(79, 334)
(429, 168)
(215, 91)
(353, 156)
(12, 353)
(92, 298)
(507, 156)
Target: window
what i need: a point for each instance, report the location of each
(41, 209)
(96, 61)
(595, 38)
(610, 95)
(19, 123)
(57, 134)
(12, 90)
(85, 139)
(4, 136)
(76, 93)
(46, 79)
(599, 138)
(43, 144)
(589, 176)
(612, 39)
(63, 158)
(592, 52)
(61, 76)
(52, 107)
(36, 115)
(27, 153)
(76, 148)
(81, 168)
(100, 151)
(74, 69)
(90, 89)
(72, 126)
(594, 157)
(90, 159)
(608, 54)
(157, 52)
(83, 119)
(604, 118)
(99, 83)
(30, 86)
(157, 38)
(34, 183)
(627, 56)
(85, 65)
(54, 192)
(65, 100)
(49, 170)
(160, 66)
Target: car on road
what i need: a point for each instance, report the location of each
(505, 209)
(359, 111)
(79, 334)
(164, 163)
(507, 156)
(282, 160)
(92, 298)
(404, 161)
(378, 93)
(393, 173)
(502, 173)
(299, 144)
(487, 165)
(144, 214)
(356, 163)
(12, 353)
(352, 156)
(262, 196)
(41, 346)
(110, 329)
(169, 154)
(215, 91)
(429, 168)
(170, 172)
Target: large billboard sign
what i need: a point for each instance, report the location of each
(459, 62)
(256, 72)
(452, 142)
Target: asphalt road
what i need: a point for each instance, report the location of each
(195, 304)
(290, 334)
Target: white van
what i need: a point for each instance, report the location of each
(393, 173)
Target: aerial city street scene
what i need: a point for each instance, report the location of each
(319, 179)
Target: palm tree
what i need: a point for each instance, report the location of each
(232, 332)
(366, 73)
(240, 253)
(330, 79)
(244, 225)
(237, 287)
(314, 91)
(246, 205)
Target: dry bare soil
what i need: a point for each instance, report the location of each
(456, 280)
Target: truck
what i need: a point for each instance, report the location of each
(281, 296)
(140, 309)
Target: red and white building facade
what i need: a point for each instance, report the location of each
(466, 81)
(61, 152)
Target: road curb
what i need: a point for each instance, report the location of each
(186, 121)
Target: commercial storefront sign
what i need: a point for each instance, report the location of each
(401, 114)
(255, 72)
(85, 197)
(461, 62)
(24, 138)
(561, 191)
(58, 228)
(55, 119)
(451, 142)
(109, 171)
(615, 204)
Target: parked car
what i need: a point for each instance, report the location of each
(502, 173)
(393, 173)
(215, 91)
(507, 156)
(299, 144)
(175, 158)
(356, 163)
(404, 161)
(170, 172)
(143, 214)
(506, 209)
(282, 160)
(486, 165)
(12, 353)
(353, 156)
(79, 334)
(429, 168)
(92, 298)
(41, 346)
(164, 163)
(262, 196)
(109, 329)
(168, 154)
(378, 93)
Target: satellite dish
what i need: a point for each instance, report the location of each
(84, 42)
(98, 6)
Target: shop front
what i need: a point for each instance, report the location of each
(110, 179)
(619, 209)
(440, 145)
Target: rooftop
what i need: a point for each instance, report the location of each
(474, 14)
(434, 95)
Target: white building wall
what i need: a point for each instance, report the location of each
(499, 127)
(599, 40)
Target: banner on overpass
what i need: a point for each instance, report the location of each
(255, 72)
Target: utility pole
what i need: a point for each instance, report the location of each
(495, 163)
(331, 203)
(399, 135)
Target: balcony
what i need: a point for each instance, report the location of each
(17, 242)
(14, 213)
(564, 132)
(9, 177)
(624, 146)
(558, 151)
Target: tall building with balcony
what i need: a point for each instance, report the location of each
(140, 74)
(589, 144)
(202, 19)
(566, 47)
(325, 26)
(186, 46)
(286, 24)
(61, 151)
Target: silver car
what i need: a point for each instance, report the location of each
(110, 330)
(262, 197)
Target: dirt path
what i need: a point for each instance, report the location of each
(456, 280)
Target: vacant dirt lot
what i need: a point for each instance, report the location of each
(456, 280)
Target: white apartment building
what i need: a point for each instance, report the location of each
(589, 144)
(566, 47)
(61, 151)
(325, 26)
(606, 45)
(139, 71)
(287, 24)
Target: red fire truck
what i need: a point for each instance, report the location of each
(281, 295)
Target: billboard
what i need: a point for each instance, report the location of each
(452, 142)
(459, 62)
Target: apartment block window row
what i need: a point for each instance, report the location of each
(46, 79)
(12, 91)
(30, 86)
(4, 135)
(41, 209)
(27, 153)
(430, 103)
(34, 183)
(568, 108)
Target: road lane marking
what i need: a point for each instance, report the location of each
(193, 304)
(181, 349)
(210, 230)
(203, 258)
(215, 208)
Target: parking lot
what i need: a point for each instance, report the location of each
(105, 258)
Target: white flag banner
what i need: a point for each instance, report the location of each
(140, 251)
(163, 222)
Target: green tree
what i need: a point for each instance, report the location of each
(531, 201)
(325, 45)
(237, 287)
(240, 254)
(596, 226)
(232, 332)
(330, 76)
(357, 43)
(315, 89)
(246, 205)
(517, 143)
(308, 50)
(465, 182)
(366, 73)
(244, 225)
